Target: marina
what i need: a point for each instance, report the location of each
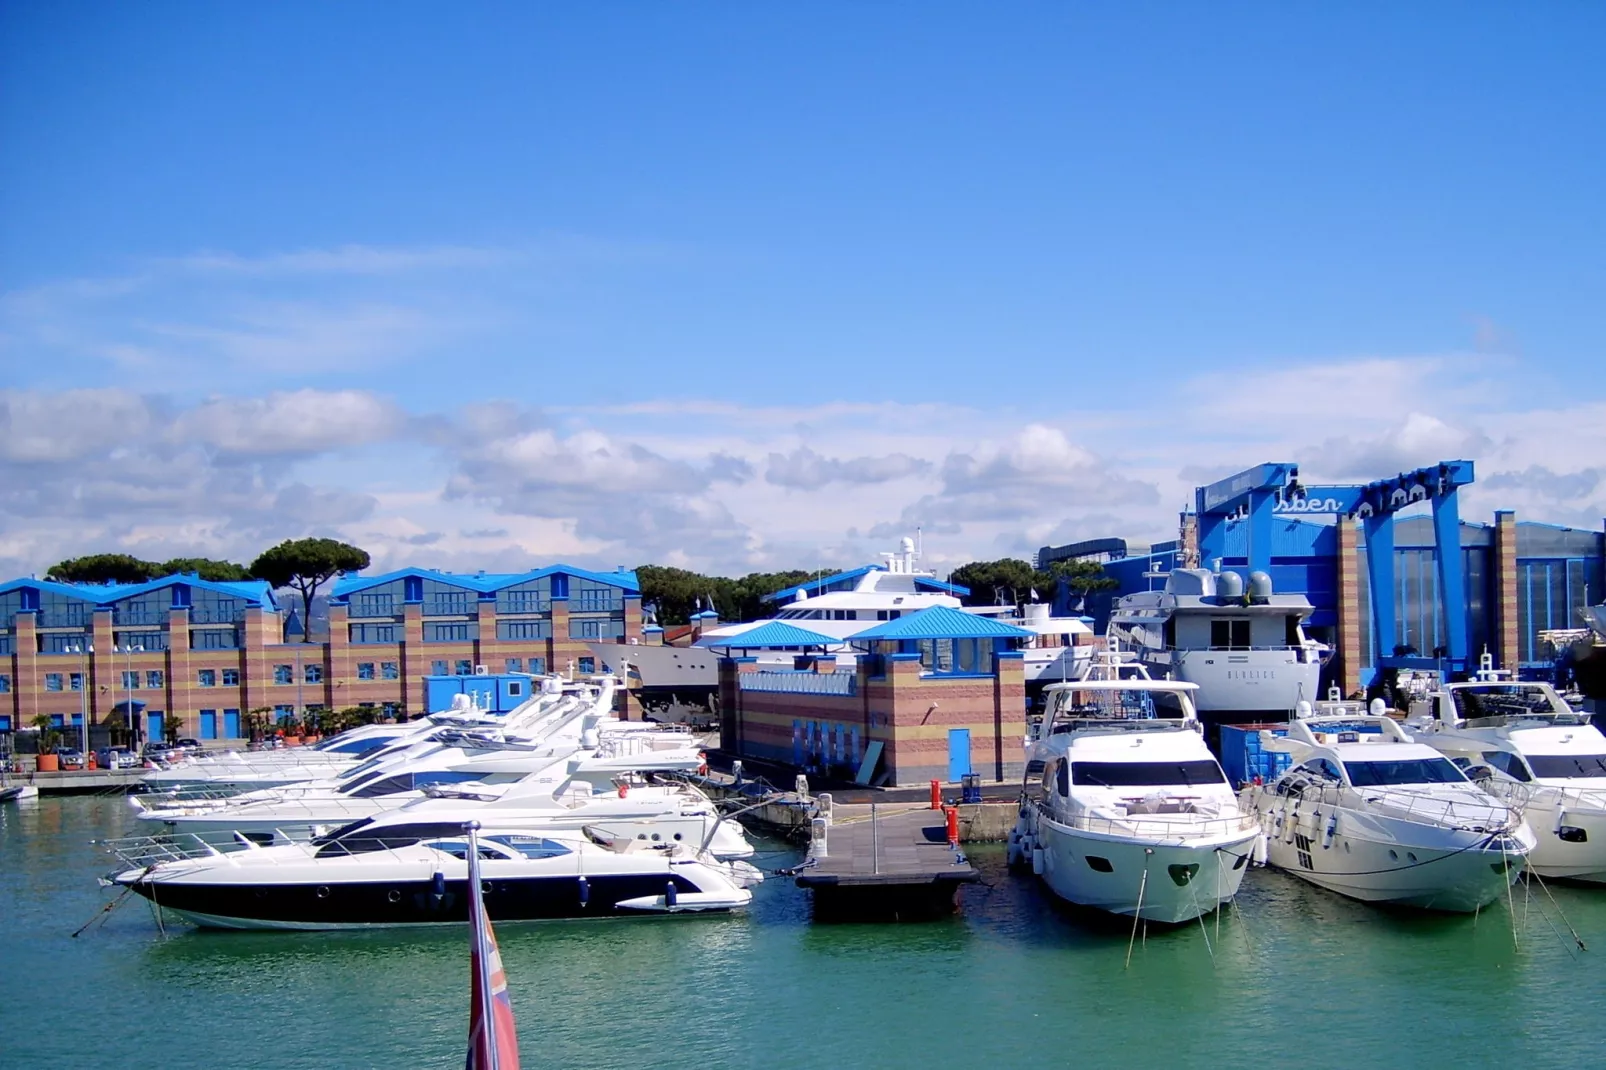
(794, 992)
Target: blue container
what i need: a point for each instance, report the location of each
(1244, 757)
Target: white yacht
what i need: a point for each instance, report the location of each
(1124, 807)
(1245, 647)
(1369, 813)
(1061, 648)
(373, 874)
(236, 770)
(1522, 743)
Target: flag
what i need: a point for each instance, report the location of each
(493, 1041)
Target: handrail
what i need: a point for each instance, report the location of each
(1153, 826)
(1400, 800)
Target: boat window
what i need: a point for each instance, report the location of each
(1063, 780)
(1570, 766)
(342, 830)
(1406, 771)
(408, 782)
(1321, 768)
(1503, 700)
(1147, 774)
(459, 849)
(532, 846)
(1229, 634)
(363, 840)
(357, 747)
(1507, 763)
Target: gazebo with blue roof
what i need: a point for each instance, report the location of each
(945, 640)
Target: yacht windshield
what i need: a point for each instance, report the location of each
(1568, 766)
(1407, 771)
(1147, 774)
(1504, 700)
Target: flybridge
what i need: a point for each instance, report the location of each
(1258, 494)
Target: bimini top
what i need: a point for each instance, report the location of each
(941, 622)
(771, 635)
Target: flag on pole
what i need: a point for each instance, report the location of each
(493, 1042)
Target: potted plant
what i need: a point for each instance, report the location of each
(49, 740)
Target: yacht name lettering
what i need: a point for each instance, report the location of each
(1251, 674)
(1309, 505)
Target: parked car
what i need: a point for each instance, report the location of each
(188, 746)
(161, 752)
(70, 759)
(116, 758)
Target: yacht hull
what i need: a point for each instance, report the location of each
(1162, 881)
(1554, 857)
(389, 904)
(1237, 686)
(1392, 862)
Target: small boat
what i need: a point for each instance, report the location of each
(1521, 742)
(1369, 813)
(17, 792)
(372, 874)
(1125, 809)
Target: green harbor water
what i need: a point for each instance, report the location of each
(1299, 976)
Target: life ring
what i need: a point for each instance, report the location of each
(702, 770)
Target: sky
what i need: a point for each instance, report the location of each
(748, 287)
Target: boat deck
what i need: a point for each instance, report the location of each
(884, 860)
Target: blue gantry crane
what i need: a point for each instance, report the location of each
(1255, 495)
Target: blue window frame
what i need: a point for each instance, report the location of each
(53, 681)
(448, 603)
(446, 633)
(370, 604)
(595, 627)
(150, 642)
(373, 633)
(57, 643)
(284, 674)
(313, 674)
(523, 629)
(75, 681)
(513, 664)
(153, 679)
(588, 665)
(283, 714)
(389, 670)
(231, 677)
(437, 668)
(206, 677)
(537, 666)
(131, 681)
(365, 670)
(214, 639)
(5, 684)
(465, 667)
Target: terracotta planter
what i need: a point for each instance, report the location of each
(49, 763)
(292, 741)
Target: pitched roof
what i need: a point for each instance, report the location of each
(942, 622)
(769, 635)
(483, 582)
(104, 594)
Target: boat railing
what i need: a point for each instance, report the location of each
(1489, 814)
(1181, 826)
(1522, 795)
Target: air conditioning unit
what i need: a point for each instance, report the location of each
(481, 670)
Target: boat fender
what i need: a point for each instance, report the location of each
(585, 892)
(671, 894)
(624, 790)
(702, 756)
(1261, 850)
(1332, 830)
(1038, 861)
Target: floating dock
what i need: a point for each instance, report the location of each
(877, 861)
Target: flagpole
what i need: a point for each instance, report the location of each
(482, 962)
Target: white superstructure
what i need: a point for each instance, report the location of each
(1245, 647)
(1125, 809)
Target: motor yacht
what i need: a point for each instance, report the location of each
(237, 770)
(1245, 647)
(1371, 814)
(368, 875)
(1125, 809)
(1521, 742)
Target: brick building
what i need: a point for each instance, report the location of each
(195, 655)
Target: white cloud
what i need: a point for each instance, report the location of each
(807, 470)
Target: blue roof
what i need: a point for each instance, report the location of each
(769, 635)
(942, 622)
(483, 582)
(815, 586)
(104, 594)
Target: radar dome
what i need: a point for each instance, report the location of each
(1229, 585)
(906, 545)
(1259, 585)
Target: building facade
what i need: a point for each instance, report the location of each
(189, 657)
(1522, 578)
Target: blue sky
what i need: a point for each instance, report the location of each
(737, 286)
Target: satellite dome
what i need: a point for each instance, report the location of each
(906, 545)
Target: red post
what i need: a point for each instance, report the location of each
(952, 813)
(936, 795)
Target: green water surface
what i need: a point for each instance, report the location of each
(1299, 977)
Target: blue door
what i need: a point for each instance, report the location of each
(153, 726)
(208, 724)
(958, 753)
(231, 724)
